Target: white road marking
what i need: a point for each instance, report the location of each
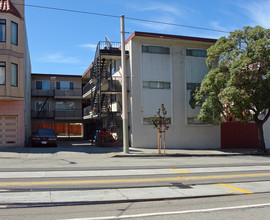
(174, 213)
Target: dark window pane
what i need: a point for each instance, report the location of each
(2, 30)
(39, 85)
(196, 53)
(155, 49)
(71, 85)
(58, 85)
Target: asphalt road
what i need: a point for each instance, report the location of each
(74, 185)
(215, 192)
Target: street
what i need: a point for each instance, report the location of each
(80, 185)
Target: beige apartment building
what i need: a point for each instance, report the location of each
(57, 103)
(15, 75)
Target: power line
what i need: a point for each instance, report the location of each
(127, 18)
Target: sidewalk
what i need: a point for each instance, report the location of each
(85, 148)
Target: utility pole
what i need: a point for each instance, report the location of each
(124, 88)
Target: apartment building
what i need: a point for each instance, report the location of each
(15, 75)
(102, 91)
(164, 69)
(57, 103)
(161, 69)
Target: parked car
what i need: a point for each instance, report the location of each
(44, 137)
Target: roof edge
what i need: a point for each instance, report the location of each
(169, 36)
(54, 75)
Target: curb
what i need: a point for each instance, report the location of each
(192, 155)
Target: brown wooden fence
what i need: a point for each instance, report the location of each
(61, 128)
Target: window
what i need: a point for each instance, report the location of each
(64, 85)
(2, 73)
(155, 49)
(148, 121)
(42, 106)
(62, 106)
(14, 74)
(2, 30)
(156, 85)
(42, 85)
(196, 53)
(193, 86)
(192, 111)
(14, 33)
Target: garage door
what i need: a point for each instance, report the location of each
(8, 131)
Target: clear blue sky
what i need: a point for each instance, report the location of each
(64, 43)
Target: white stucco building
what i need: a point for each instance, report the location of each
(163, 69)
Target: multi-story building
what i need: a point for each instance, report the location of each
(102, 91)
(57, 103)
(164, 69)
(15, 75)
(161, 69)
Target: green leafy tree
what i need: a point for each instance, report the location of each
(238, 80)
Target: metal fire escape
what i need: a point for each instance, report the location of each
(100, 85)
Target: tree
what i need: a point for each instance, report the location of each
(160, 122)
(238, 82)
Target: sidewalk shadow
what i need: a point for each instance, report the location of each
(77, 146)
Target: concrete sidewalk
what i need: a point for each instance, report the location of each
(84, 148)
(130, 194)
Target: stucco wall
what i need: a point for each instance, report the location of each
(179, 135)
(266, 131)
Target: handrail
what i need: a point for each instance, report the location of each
(106, 45)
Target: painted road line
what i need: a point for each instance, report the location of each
(145, 215)
(132, 172)
(68, 182)
(235, 188)
(180, 171)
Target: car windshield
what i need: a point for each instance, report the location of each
(45, 132)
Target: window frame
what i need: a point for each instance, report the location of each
(5, 29)
(150, 49)
(61, 88)
(3, 64)
(195, 52)
(64, 105)
(159, 85)
(42, 89)
(12, 34)
(42, 104)
(11, 74)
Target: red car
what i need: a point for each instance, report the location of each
(44, 137)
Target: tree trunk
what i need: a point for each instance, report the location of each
(261, 142)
